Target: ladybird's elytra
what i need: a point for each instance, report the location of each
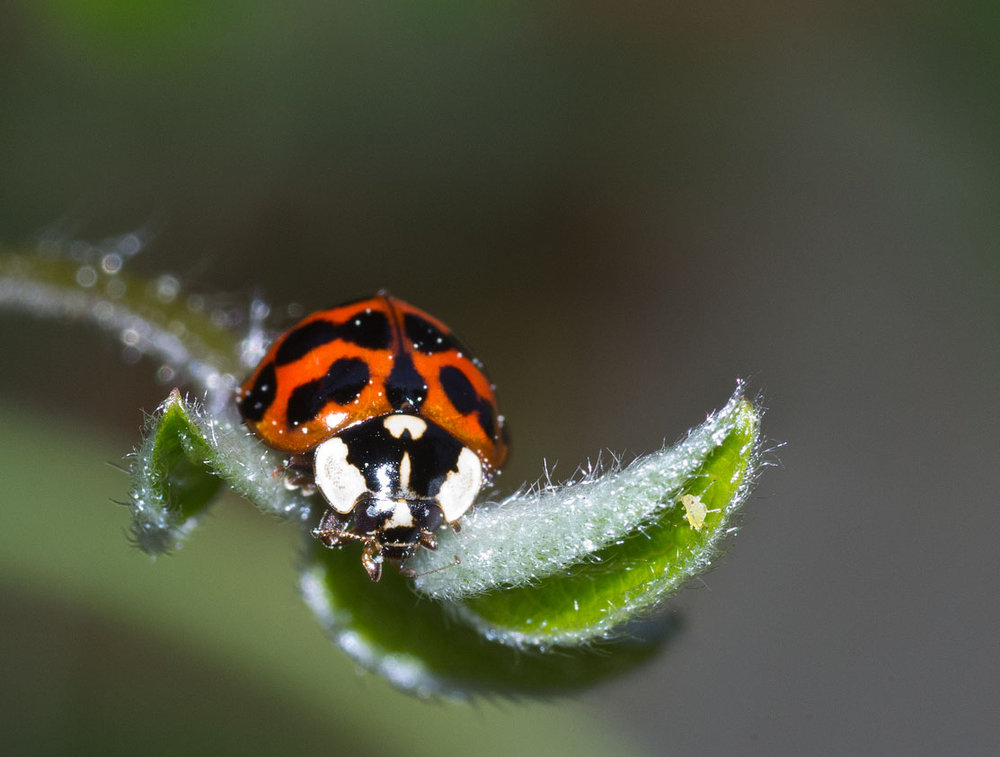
(379, 406)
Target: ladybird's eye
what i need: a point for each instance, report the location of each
(339, 481)
(461, 486)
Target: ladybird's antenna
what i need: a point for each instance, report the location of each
(413, 574)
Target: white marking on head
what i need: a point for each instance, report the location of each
(404, 472)
(339, 481)
(401, 517)
(460, 487)
(384, 475)
(397, 424)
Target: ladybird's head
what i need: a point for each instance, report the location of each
(396, 478)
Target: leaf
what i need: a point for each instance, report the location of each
(183, 461)
(173, 483)
(419, 648)
(589, 556)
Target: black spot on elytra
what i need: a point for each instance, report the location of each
(429, 339)
(487, 420)
(461, 393)
(343, 382)
(369, 330)
(261, 394)
(425, 336)
(465, 399)
(405, 388)
(303, 339)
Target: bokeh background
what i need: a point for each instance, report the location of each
(623, 207)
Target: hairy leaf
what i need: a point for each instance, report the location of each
(184, 459)
(416, 645)
(638, 569)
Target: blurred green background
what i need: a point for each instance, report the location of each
(622, 207)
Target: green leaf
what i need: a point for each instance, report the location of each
(183, 461)
(416, 645)
(592, 555)
(173, 482)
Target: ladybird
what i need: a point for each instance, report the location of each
(387, 414)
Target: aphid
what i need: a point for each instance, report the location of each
(694, 510)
